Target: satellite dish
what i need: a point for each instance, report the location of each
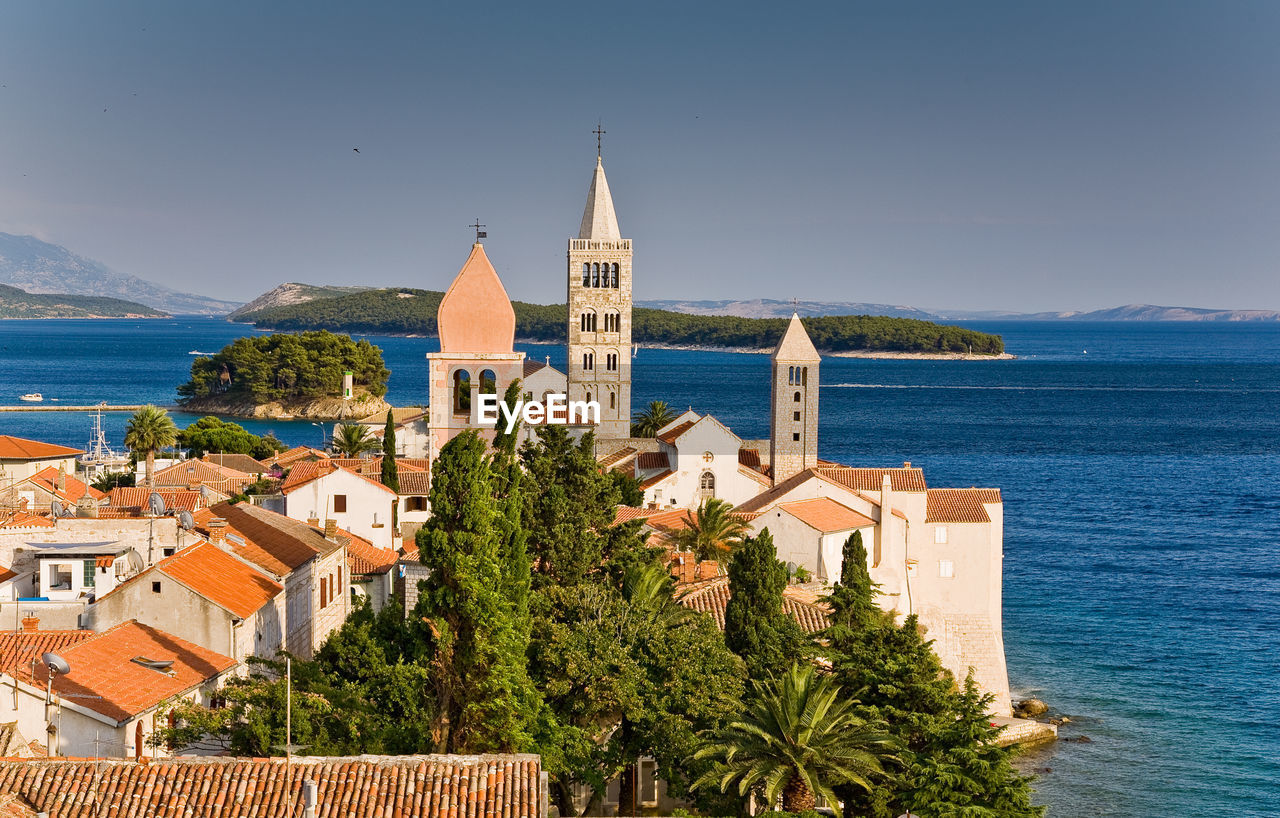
(68, 512)
(155, 505)
(186, 520)
(204, 492)
(55, 663)
(791, 569)
(55, 508)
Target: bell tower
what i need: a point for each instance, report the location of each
(599, 281)
(793, 419)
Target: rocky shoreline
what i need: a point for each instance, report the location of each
(324, 408)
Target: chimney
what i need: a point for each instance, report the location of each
(313, 520)
(308, 798)
(886, 501)
(906, 464)
(30, 623)
(708, 569)
(62, 479)
(217, 530)
(330, 529)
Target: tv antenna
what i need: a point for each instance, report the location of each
(481, 233)
(155, 508)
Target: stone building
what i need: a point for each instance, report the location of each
(793, 421)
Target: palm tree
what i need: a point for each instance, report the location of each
(149, 430)
(797, 736)
(713, 530)
(653, 417)
(353, 440)
(648, 590)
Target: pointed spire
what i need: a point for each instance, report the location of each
(795, 344)
(475, 315)
(598, 219)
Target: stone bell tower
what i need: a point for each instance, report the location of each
(793, 421)
(600, 310)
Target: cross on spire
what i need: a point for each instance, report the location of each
(599, 132)
(480, 231)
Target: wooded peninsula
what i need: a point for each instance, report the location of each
(406, 311)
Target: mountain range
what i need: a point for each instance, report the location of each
(39, 267)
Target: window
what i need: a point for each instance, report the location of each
(946, 569)
(595, 275)
(324, 593)
(588, 397)
(168, 552)
(155, 587)
(795, 436)
(339, 503)
(60, 578)
(796, 399)
(791, 376)
(488, 382)
(462, 392)
(588, 362)
(339, 576)
(795, 415)
(613, 401)
(89, 565)
(587, 322)
(612, 322)
(707, 483)
(586, 274)
(611, 362)
(415, 504)
(804, 376)
(613, 279)
(940, 535)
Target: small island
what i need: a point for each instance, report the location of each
(16, 303)
(288, 376)
(407, 311)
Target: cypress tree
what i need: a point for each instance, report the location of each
(755, 626)
(390, 474)
(853, 605)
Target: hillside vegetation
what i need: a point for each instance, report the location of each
(287, 368)
(413, 312)
(16, 303)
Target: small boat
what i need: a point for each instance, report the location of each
(198, 352)
(31, 397)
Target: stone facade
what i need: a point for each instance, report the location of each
(599, 285)
(793, 419)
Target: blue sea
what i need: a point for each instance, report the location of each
(1140, 465)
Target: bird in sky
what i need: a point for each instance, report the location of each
(357, 150)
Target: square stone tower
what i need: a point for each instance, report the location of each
(599, 280)
(793, 421)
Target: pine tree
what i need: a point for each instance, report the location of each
(486, 702)
(852, 602)
(755, 626)
(390, 474)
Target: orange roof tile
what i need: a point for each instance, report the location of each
(137, 497)
(219, 577)
(476, 291)
(415, 483)
(650, 482)
(304, 472)
(825, 514)
(105, 678)
(959, 505)
(676, 519)
(614, 458)
(239, 462)
(48, 477)
(426, 786)
(18, 648)
(625, 514)
(365, 559)
(20, 448)
(22, 519)
(712, 597)
(749, 458)
(672, 434)
(900, 479)
(271, 541)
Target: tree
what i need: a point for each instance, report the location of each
(755, 626)
(390, 474)
(798, 737)
(713, 530)
(852, 601)
(653, 417)
(113, 479)
(353, 440)
(485, 700)
(212, 434)
(149, 430)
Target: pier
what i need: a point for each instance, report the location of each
(105, 407)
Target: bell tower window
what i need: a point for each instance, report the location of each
(461, 392)
(588, 362)
(586, 274)
(613, 280)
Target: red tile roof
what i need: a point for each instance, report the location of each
(105, 678)
(20, 448)
(531, 366)
(614, 458)
(749, 458)
(674, 432)
(959, 505)
(437, 786)
(625, 514)
(285, 458)
(22, 519)
(199, 472)
(219, 577)
(18, 648)
(271, 541)
(48, 477)
(650, 482)
(653, 460)
(366, 559)
(900, 479)
(414, 483)
(712, 596)
(174, 499)
(240, 462)
(676, 519)
(825, 514)
(305, 472)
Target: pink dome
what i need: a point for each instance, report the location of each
(475, 315)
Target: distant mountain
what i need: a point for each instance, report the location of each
(288, 294)
(15, 303)
(1129, 312)
(771, 308)
(39, 267)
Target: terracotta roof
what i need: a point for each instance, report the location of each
(532, 365)
(900, 479)
(20, 448)
(825, 514)
(7, 574)
(757, 476)
(712, 596)
(959, 505)
(650, 482)
(219, 577)
(240, 462)
(272, 541)
(437, 786)
(476, 292)
(749, 458)
(414, 483)
(653, 460)
(22, 519)
(614, 458)
(305, 472)
(198, 472)
(365, 559)
(174, 499)
(18, 648)
(105, 678)
(297, 453)
(674, 432)
(625, 514)
(48, 477)
(676, 519)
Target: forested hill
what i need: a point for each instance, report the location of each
(413, 312)
(16, 303)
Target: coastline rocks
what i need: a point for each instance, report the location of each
(323, 408)
(1030, 708)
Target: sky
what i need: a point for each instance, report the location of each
(978, 155)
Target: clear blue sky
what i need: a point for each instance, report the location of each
(969, 155)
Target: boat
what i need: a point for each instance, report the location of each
(198, 352)
(31, 397)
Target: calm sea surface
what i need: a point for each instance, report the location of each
(1140, 465)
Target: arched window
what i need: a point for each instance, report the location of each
(613, 279)
(804, 376)
(587, 323)
(589, 362)
(595, 275)
(588, 397)
(791, 376)
(586, 274)
(611, 362)
(137, 739)
(488, 382)
(461, 392)
(796, 398)
(613, 401)
(707, 484)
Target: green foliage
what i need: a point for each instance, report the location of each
(390, 473)
(353, 440)
(798, 737)
(149, 430)
(390, 312)
(852, 601)
(283, 366)
(113, 479)
(16, 303)
(713, 531)
(755, 626)
(211, 434)
(653, 417)
(486, 701)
